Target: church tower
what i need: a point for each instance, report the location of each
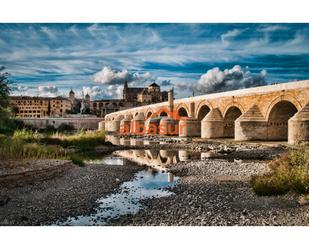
(72, 97)
(125, 89)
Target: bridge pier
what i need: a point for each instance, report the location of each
(138, 125)
(152, 125)
(125, 125)
(114, 125)
(212, 126)
(169, 126)
(298, 126)
(189, 127)
(251, 125)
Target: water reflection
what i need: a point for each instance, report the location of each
(158, 158)
(107, 160)
(134, 141)
(146, 184)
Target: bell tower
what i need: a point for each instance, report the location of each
(125, 88)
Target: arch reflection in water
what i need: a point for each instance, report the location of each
(158, 158)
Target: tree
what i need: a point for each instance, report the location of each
(4, 88)
(4, 97)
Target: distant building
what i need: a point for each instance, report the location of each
(144, 95)
(38, 107)
(131, 97)
(30, 107)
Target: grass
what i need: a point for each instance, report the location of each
(27, 136)
(288, 173)
(16, 148)
(81, 139)
(28, 144)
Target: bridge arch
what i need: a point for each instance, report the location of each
(182, 110)
(202, 108)
(233, 104)
(162, 112)
(230, 115)
(277, 120)
(148, 113)
(286, 97)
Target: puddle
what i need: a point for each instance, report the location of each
(146, 184)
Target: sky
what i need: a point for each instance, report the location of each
(50, 59)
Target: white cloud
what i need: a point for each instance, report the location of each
(226, 37)
(41, 90)
(272, 28)
(99, 92)
(48, 89)
(237, 77)
(111, 77)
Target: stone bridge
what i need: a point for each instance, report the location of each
(275, 112)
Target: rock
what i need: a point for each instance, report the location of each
(4, 199)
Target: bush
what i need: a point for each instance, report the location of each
(65, 127)
(288, 173)
(50, 128)
(77, 160)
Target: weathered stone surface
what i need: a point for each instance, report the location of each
(265, 111)
(212, 125)
(251, 125)
(299, 126)
(77, 122)
(189, 127)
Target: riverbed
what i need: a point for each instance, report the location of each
(156, 183)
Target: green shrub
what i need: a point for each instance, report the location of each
(77, 160)
(65, 127)
(290, 172)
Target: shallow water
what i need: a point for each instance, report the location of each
(149, 183)
(154, 182)
(107, 160)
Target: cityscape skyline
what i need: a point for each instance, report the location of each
(50, 59)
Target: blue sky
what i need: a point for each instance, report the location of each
(49, 59)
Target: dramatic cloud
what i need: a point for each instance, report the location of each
(68, 55)
(107, 92)
(112, 77)
(216, 80)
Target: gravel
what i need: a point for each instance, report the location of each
(217, 193)
(209, 192)
(71, 194)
